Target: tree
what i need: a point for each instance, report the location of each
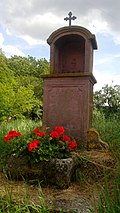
(28, 66)
(7, 84)
(24, 102)
(28, 71)
(107, 100)
(20, 92)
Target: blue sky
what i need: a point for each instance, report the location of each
(26, 25)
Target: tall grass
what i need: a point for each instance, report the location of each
(109, 129)
(109, 201)
(11, 202)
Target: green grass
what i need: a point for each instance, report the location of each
(109, 129)
(109, 201)
(12, 203)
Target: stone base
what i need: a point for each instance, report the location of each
(57, 172)
(68, 102)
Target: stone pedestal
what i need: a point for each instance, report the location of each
(68, 103)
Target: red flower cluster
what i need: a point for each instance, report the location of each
(33, 145)
(59, 129)
(38, 133)
(54, 134)
(66, 138)
(72, 146)
(38, 138)
(11, 134)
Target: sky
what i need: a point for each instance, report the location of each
(25, 26)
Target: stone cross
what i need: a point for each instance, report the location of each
(70, 18)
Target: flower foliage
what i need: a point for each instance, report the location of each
(39, 145)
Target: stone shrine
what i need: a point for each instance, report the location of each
(68, 89)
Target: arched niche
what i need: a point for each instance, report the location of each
(71, 50)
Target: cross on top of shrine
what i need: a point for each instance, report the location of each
(70, 18)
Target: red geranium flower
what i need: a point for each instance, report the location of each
(36, 130)
(11, 134)
(38, 133)
(54, 134)
(65, 138)
(72, 146)
(59, 129)
(7, 138)
(33, 145)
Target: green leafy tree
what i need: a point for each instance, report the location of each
(29, 71)
(20, 92)
(28, 66)
(7, 95)
(107, 100)
(24, 101)
(7, 84)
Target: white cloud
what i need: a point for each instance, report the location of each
(8, 32)
(105, 78)
(9, 49)
(47, 18)
(106, 59)
(97, 26)
(101, 61)
(31, 41)
(116, 38)
(12, 50)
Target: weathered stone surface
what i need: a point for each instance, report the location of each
(76, 205)
(57, 172)
(68, 103)
(94, 141)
